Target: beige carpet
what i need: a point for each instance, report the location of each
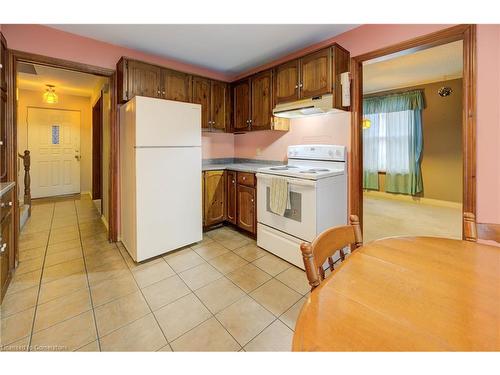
(385, 217)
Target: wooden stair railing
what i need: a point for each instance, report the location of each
(27, 179)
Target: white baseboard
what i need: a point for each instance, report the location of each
(409, 198)
(103, 219)
(89, 193)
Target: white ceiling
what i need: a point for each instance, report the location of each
(65, 81)
(227, 49)
(404, 70)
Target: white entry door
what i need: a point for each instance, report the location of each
(54, 143)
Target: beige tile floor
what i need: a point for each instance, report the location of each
(384, 217)
(75, 291)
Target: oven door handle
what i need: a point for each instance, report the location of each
(290, 180)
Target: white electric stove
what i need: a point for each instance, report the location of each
(317, 180)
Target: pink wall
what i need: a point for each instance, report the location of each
(217, 145)
(268, 145)
(44, 40)
(488, 123)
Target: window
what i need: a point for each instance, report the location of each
(55, 134)
(393, 142)
(382, 142)
(388, 139)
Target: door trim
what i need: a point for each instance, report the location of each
(20, 56)
(466, 33)
(97, 129)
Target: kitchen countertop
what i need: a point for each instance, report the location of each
(244, 165)
(5, 187)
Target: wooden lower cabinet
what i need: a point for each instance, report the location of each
(246, 208)
(231, 197)
(7, 253)
(214, 192)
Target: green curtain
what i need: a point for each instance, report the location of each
(405, 101)
(403, 121)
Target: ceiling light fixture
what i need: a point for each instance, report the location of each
(50, 96)
(445, 91)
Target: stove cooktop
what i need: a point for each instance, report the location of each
(309, 173)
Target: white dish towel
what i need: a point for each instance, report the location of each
(279, 195)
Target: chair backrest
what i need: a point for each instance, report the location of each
(324, 246)
(483, 231)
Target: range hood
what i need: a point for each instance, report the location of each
(318, 105)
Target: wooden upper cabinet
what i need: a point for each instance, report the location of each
(201, 95)
(214, 200)
(218, 112)
(246, 208)
(241, 105)
(313, 75)
(3, 63)
(316, 74)
(142, 79)
(262, 100)
(175, 85)
(287, 82)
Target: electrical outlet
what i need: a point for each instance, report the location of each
(258, 152)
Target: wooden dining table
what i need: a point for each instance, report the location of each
(406, 294)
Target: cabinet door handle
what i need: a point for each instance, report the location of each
(251, 200)
(297, 86)
(300, 85)
(232, 182)
(244, 178)
(2, 249)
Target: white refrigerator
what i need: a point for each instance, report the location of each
(160, 176)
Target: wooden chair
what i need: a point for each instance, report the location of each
(326, 245)
(483, 231)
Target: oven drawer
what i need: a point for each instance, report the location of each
(299, 219)
(247, 179)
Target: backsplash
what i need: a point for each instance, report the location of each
(272, 145)
(239, 161)
(217, 145)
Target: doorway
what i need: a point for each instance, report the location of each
(464, 33)
(56, 109)
(412, 144)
